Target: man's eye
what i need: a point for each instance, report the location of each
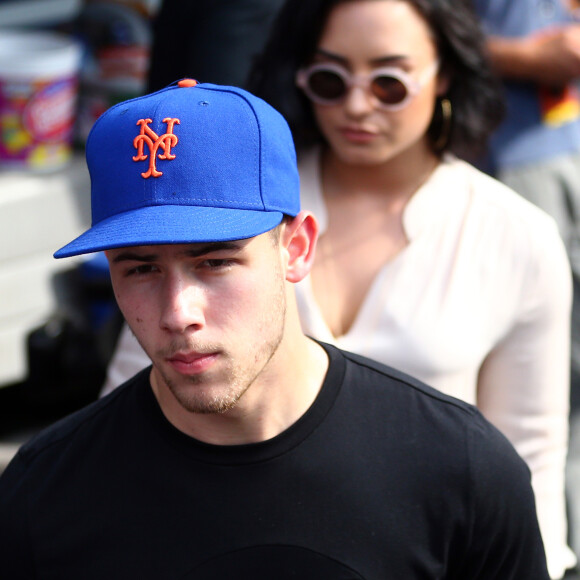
(140, 270)
(217, 264)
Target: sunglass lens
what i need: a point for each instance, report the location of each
(326, 85)
(389, 90)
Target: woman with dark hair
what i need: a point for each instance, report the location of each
(423, 262)
(458, 41)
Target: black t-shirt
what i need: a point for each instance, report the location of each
(382, 478)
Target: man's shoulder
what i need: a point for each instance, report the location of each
(393, 399)
(427, 422)
(386, 377)
(88, 418)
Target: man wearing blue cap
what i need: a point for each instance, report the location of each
(247, 450)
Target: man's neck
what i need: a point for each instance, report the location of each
(272, 403)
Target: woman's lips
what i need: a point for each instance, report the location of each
(356, 135)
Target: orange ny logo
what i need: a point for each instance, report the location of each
(154, 142)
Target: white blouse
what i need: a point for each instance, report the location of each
(477, 305)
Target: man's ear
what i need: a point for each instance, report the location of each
(298, 240)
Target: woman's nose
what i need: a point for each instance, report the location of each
(359, 101)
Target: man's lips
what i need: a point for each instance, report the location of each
(192, 362)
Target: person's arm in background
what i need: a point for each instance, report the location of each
(523, 385)
(551, 57)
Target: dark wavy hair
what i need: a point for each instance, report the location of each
(475, 92)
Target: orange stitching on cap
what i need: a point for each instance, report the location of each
(148, 137)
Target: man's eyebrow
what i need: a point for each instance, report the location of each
(192, 252)
(204, 249)
(129, 256)
(383, 60)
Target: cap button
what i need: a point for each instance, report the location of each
(187, 83)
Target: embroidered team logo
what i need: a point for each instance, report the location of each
(154, 142)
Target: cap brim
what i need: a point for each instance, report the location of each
(167, 224)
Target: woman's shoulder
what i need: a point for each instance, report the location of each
(518, 233)
(492, 198)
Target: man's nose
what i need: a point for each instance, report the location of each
(183, 305)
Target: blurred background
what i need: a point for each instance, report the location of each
(62, 63)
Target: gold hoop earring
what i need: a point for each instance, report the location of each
(446, 114)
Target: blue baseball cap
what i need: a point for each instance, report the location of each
(189, 163)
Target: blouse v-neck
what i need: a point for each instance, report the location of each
(423, 208)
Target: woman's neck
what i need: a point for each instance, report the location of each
(396, 179)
